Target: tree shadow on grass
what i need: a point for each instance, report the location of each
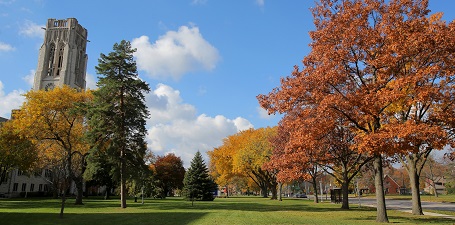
(101, 218)
(262, 206)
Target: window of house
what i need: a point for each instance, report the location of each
(46, 188)
(3, 176)
(37, 173)
(32, 187)
(24, 186)
(15, 185)
(40, 187)
(20, 172)
(48, 173)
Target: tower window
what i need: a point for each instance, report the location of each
(60, 60)
(50, 67)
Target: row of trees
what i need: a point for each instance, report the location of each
(377, 83)
(95, 135)
(66, 125)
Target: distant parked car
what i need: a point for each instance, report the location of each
(303, 195)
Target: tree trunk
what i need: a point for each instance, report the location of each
(435, 192)
(415, 183)
(227, 191)
(79, 186)
(107, 194)
(280, 192)
(345, 192)
(122, 180)
(315, 188)
(381, 212)
(62, 208)
(55, 193)
(274, 191)
(264, 191)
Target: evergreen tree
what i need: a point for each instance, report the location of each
(118, 113)
(198, 185)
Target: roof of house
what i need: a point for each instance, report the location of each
(3, 119)
(387, 176)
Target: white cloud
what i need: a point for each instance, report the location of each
(5, 47)
(4, 2)
(90, 81)
(12, 100)
(175, 127)
(260, 2)
(175, 53)
(31, 29)
(29, 78)
(198, 2)
(263, 114)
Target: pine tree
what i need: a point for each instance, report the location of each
(118, 113)
(198, 185)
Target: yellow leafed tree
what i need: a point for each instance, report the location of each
(53, 121)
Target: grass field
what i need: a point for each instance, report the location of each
(240, 210)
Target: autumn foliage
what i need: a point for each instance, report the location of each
(385, 69)
(243, 155)
(169, 173)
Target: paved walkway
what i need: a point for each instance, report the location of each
(406, 205)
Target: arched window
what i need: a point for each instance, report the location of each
(50, 67)
(60, 60)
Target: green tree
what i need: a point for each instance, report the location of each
(118, 113)
(197, 184)
(101, 170)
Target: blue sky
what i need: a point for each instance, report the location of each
(205, 60)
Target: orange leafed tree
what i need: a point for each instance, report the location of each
(371, 61)
(294, 157)
(169, 172)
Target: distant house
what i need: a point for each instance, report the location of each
(438, 185)
(14, 182)
(390, 186)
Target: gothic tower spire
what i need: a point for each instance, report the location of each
(62, 57)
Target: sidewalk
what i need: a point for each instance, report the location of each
(431, 214)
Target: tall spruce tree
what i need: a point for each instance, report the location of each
(198, 185)
(118, 113)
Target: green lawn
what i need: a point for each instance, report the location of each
(241, 210)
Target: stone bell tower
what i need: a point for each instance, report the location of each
(62, 57)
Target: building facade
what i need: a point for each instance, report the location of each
(62, 57)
